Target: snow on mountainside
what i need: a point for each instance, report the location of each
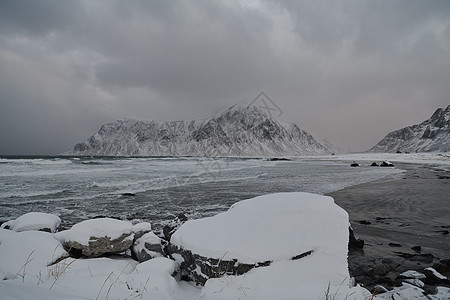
(236, 131)
(432, 135)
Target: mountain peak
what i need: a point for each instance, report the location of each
(432, 135)
(239, 130)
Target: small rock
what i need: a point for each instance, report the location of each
(379, 289)
(415, 282)
(354, 165)
(386, 164)
(278, 159)
(128, 195)
(394, 245)
(353, 242)
(416, 248)
(374, 164)
(364, 222)
(413, 275)
(147, 247)
(173, 225)
(432, 273)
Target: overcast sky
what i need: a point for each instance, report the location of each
(347, 71)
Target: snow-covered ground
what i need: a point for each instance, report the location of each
(274, 227)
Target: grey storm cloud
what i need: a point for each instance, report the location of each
(349, 71)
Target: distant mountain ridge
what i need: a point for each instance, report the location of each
(236, 131)
(432, 135)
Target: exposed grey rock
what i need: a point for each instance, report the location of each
(411, 274)
(353, 242)
(379, 289)
(199, 268)
(386, 164)
(433, 277)
(147, 247)
(173, 225)
(99, 246)
(97, 237)
(432, 135)
(236, 131)
(416, 248)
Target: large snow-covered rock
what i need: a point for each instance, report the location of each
(432, 135)
(236, 131)
(24, 254)
(96, 237)
(295, 242)
(34, 221)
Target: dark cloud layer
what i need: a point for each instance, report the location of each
(349, 71)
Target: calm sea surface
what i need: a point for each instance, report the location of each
(154, 189)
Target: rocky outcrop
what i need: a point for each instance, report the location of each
(200, 268)
(432, 135)
(99, 246)
(97, 237)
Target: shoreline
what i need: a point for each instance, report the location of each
(395, 216)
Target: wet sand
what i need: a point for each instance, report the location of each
(392, 216)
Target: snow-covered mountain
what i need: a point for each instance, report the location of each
(236, 131)
(432, 135)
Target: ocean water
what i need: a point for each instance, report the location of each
(155, 189)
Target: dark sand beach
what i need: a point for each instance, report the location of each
(404, 221)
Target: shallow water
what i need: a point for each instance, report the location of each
(155, 189)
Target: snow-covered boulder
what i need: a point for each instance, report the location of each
(147, 247)
(140, 229)
(290, 242)
(97, 237)
(25, 254)
(36, 221)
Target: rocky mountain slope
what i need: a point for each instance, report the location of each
(432, 135)
(236, 131)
